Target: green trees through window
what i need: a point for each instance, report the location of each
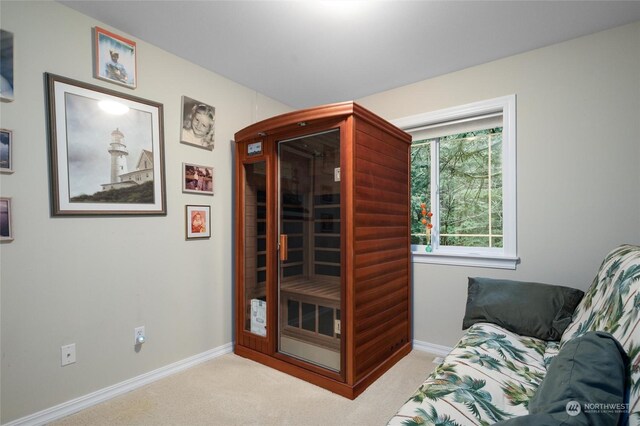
(469, 194)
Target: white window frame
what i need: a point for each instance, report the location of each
(505, 257)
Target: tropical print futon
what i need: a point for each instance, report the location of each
(489, 376)
(492, 373)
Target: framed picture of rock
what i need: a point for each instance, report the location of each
(106, 151)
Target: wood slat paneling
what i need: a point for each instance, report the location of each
(376, 351)
(378, 324)
(374, 151)
(389, 148)
(392, 299)
(382, 311)
(367, 129)
(379, 288)
(372, 245)
(380, 269)
(381, 207)
(386, 194)
(365, 233)
(372, 180)
(373, 219)
(376, 170)
(375, 258)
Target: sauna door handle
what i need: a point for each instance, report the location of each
(284, 247)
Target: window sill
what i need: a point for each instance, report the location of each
(481, 260)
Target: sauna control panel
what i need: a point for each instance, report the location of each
(254, 148)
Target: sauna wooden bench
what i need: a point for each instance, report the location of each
(318, 291)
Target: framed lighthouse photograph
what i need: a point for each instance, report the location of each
(106, 151)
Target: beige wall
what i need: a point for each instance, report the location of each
(578, 180)
(90, 281)
(578, 151)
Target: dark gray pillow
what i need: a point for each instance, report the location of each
(529, 309)
(584, 385)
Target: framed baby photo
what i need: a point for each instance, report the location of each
(198, 123)
(6, 66)
(6, 232)
(115, 58)
(6, 148)
(197, 179)
(198, 222)
(106, 151)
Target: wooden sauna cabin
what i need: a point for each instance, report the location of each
(322, 245)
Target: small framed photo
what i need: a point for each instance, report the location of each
(198, 221)
(197, 179)
(6, 233)
(198, 123)
(6, 141)
(115, 58)
(6, 66)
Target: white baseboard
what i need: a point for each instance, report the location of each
(432, 348)
(86, 401)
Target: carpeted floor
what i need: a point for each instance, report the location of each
(231, 390)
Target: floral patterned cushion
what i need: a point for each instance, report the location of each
(489, 376)
(612, 304)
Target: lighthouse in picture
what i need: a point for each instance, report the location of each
(119, 153)
(121, 177)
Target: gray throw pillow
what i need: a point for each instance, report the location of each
(584, 385)
(530, 309)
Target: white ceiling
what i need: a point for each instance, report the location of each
(307, 53)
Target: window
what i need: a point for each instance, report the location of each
(463, 170)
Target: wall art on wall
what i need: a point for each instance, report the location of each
(6, 151)
(197, 179)
(198, 221)
(115, 58)
(198, 123)
(6, 232)
(106, 151)
(6, 66)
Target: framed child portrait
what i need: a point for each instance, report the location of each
(6, 148)
(198, 222)
(198, 123)
(115, 58)
(197, 179)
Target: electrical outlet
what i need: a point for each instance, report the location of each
(67, 354)
(139, 336)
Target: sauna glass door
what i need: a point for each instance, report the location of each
(309, 248)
